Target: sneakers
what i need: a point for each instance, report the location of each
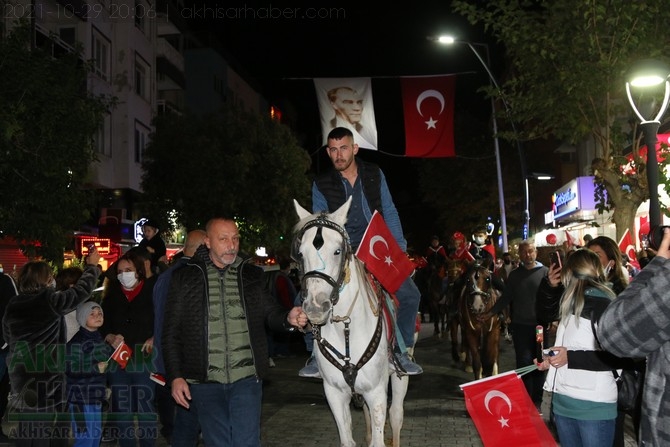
(408, 364)
(311, 369)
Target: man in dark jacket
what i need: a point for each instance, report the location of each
(366, 183)
(214, 340)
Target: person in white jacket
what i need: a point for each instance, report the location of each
(584, 401)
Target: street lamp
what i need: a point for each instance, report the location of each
(448, 40)
(646, 76)
(526, 213)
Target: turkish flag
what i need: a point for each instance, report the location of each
(428, 108)
(122, 354)
(382, 255)
(504, 413)
(626, 246)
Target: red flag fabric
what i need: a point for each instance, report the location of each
(122, 354)
(569, 239)
(626, 246)
(428, 108)
(504, 413)
(382, 255)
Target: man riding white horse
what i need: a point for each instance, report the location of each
(366, 183)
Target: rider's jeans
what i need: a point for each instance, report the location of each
(408, 296)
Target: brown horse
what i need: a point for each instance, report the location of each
(482, 337)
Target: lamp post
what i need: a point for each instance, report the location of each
(526, 214)
(448, 40)
(644, 76)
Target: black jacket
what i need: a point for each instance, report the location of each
(185, 341)
(85, 383)
(33, 326)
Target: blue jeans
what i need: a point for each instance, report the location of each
(408, 296)
(133, 395)
(580, 433)
(86, 425)
(229, 414)
(186, 427)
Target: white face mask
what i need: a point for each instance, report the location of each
(480, 240)
(127, 279)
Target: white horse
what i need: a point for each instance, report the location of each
(350, 342)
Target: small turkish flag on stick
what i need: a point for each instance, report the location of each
(382, 255)
(121, 355)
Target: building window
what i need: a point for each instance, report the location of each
(100, 48)
(102, 140)
(68, 34)
(142, 77)
(141, 140)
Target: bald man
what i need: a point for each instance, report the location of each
(165, 404)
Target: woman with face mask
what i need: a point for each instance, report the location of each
(129, 318)
(33, 328)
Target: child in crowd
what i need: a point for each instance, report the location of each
(87, 355)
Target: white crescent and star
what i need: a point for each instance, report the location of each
(431, 123)
(123, 355)
(492, 395)
(373, 241)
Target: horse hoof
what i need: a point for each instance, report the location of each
(468, 369)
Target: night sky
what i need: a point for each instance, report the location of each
(280, 55)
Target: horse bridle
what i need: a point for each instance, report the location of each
(321, 222)
(349, 370)
(472, 291)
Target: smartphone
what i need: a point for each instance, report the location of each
(555, 258)
(90, 247)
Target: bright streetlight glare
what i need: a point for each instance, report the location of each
(447, 40)
(646, 81)
(648, 72)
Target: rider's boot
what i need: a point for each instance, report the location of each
(311, 368)
(405, 361)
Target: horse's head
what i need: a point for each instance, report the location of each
(478, 291)
(321, 248)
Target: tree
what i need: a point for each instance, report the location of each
(232, 163)
(566, 80)
(47, 121)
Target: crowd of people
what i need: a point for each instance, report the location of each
(186, 346)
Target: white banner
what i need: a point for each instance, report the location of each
(347, 102)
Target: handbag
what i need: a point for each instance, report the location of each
(629, 384)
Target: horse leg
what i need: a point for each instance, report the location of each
(492, 343)
(474, 344)
(396, 411)
(435, 316)
(376, 400)
(338, 402)
(453, 329)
